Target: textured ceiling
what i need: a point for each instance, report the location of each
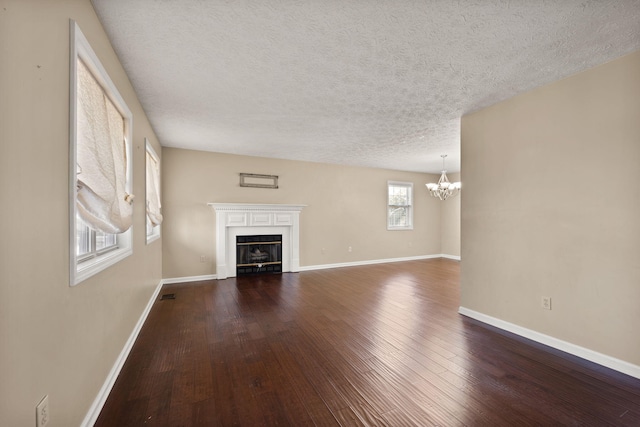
(376, 83)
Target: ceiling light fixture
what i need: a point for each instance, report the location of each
(444, 189)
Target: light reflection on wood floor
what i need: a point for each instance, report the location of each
(380, 345)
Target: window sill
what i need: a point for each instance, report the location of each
(399, 228)
(152, 238)
(95, 265)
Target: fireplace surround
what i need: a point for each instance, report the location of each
(245, 219)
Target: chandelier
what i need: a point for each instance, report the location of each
(444, 189)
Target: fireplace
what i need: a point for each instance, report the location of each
(234, 220)
(258, 254)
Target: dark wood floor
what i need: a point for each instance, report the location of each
(379, 345)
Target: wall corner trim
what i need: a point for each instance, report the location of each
(567, 347)
(454, 257)
(101, 398)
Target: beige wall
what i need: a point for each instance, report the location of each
(62, 341)
(55, 339)
(450, 222)
(550, 208)
(346, 207)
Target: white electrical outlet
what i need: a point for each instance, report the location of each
(546, 303)
(42, 412)
(350, 249)
(203, 258)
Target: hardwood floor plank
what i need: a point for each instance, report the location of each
(380, 345)
(299, 384)
(346, 417)
(223, 398)
(205, 413)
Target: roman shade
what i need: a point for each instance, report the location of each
(153, 191)
(102, 200)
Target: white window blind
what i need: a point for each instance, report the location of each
(153, 190)
(102, 200)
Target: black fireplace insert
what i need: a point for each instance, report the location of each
(258, 254)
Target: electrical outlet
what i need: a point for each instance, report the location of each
(203, 258)
(42, 412)
(349, 249)
(546, 303)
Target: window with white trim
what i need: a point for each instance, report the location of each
(154, 216)
(100, 129)
(399, 205)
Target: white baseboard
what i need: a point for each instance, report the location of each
(319, 267)
(367, 262)
(188, 279)
(101, 398)
(567, 347)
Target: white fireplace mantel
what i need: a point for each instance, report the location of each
(245, 219)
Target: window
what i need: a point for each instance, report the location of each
(154, 217)
(100, 129)
(399, 205)
(92, 243)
